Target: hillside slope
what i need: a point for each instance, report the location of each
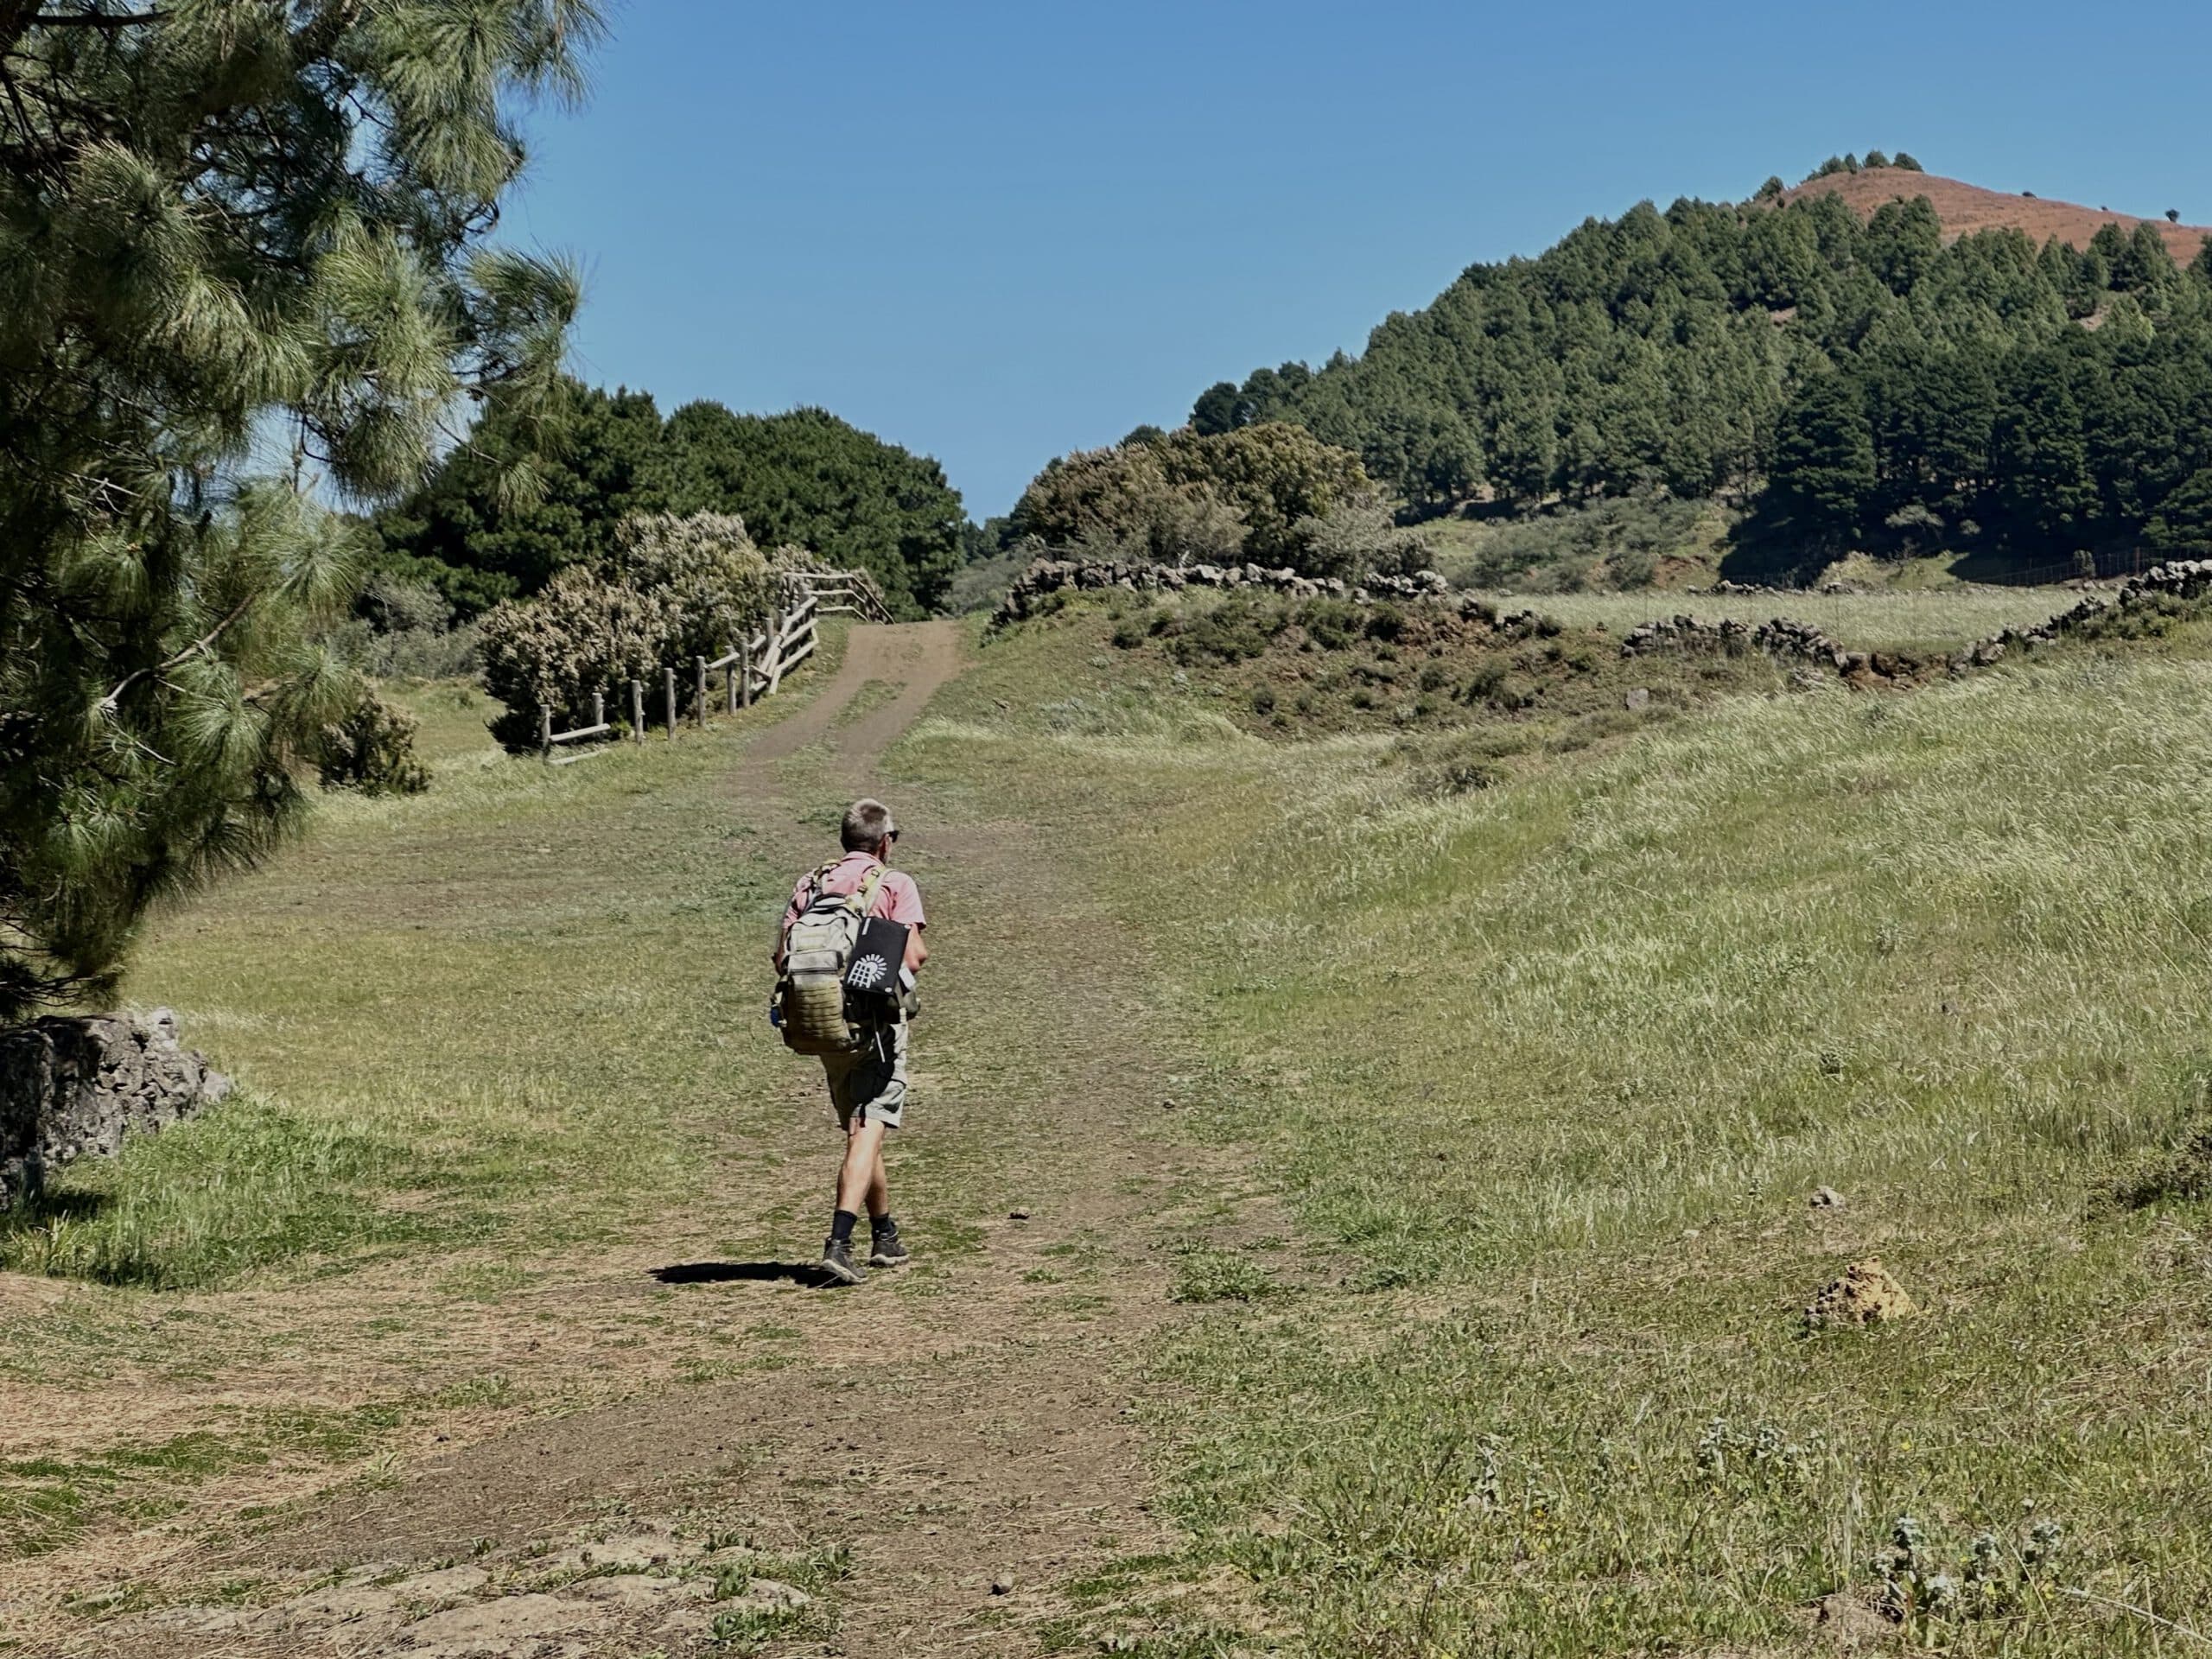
(1880, 360)
(1965, 208)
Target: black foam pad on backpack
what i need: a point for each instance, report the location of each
(878, 955)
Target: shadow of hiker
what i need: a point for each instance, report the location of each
(723, 1272)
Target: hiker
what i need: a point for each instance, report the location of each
(846, 955)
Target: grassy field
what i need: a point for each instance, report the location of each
(1551, 1072)
(486, 1035)
(1511, 1100)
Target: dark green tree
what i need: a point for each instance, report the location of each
(468, 534)
(810, 479)
(1824, 461)
(2182, 529)
(2044, 488)
(225, 225)
(1215, 410)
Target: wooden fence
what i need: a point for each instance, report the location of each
(850, 593)
(753, 669)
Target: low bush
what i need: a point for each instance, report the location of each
(583, 633)
(674, 588)
(1356, 540)
(1610, 543)
(372, 749)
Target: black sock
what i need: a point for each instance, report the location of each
(841, 1226)
(882, 1227)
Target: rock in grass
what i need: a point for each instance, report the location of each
(1865, 1294)
(1002, 1584)
(72, 1086)
(1826, 1197)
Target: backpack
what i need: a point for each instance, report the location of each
(816, 1002)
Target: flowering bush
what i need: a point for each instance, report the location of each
(711, 581)
(582, 634)
(673, 588)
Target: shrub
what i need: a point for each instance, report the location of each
(672, 589)
(1215, 497)
(1386, 622)
(1562, 551)
(2182, 1174)
(405, 631)
(583, 633)
(710, 580)
(1918, 529)
(980, 586)
(1331, 624)
(1231, 631)
(1357, 539)
(372, 749)
(1482, 684)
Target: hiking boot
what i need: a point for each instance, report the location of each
(838, 1261)
(886, 1251)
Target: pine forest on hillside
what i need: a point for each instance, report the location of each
(1859, 383)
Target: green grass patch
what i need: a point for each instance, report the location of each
(47, 1503)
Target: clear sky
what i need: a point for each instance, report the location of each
(996, 232)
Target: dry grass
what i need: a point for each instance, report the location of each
(1556, 1066)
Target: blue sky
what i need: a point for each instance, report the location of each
(994, 233)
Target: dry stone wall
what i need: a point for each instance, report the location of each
(1056, 575)
(1786, 641)
(1801, 642)
(71, 1086)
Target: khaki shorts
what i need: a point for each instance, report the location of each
(869, 1085)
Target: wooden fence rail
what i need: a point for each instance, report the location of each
(753, 669)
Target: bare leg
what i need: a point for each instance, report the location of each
(878, 1190)
(860, 1183)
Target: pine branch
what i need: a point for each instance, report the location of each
(205, 641)
(98, 19)
(19, 17)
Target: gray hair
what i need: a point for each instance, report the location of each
(867, 825)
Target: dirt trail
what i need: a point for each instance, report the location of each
(961, 1428)
(915, 658)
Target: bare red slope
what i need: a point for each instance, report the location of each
(1967, 208)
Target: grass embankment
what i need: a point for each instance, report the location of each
(1503, 679)
(1551, 1071)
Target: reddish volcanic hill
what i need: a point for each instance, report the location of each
(1967, 208)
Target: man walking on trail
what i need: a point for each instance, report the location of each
(868, 1084)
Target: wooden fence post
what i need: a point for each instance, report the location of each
(729, 687)
(545, 733)
(599, 707)
(668, 699)
(637, 711)
(745, 674)
(699, 707)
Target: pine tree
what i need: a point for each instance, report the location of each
(594, 455)
(223, 225)
(1824, 459)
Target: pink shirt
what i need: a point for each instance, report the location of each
(897, 897)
